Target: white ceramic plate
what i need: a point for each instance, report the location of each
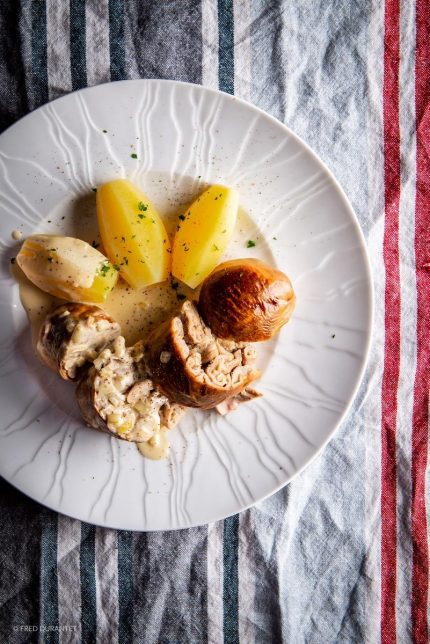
(185, 137)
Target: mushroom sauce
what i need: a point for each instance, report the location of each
(137, 311)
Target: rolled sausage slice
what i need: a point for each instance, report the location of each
(193, 367)
(72, 335)
(116, 396)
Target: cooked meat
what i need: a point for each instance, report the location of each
(193, 367)
(116, 396)
(247, 300)
(72, 335)
(233, 403)
(171, 413)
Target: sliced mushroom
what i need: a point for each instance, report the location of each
(202, 370)
(72, 335)
(116, 396)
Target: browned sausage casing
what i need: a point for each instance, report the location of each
(246, 300)
(193, 367)
(72, 335)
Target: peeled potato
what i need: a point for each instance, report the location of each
(204, 232)
(133, 234)
(66, 267)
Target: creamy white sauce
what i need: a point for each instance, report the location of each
(35, 302)
(138, 312)
(157, 447)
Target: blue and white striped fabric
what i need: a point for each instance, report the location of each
(303, 566)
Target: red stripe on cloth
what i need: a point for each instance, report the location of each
(420, 562)
(390, 376)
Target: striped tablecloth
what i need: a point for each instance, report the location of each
(341, 554)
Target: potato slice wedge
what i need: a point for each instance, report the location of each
(205, 230)
(133, 234)
(66, 267)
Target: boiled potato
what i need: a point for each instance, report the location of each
(133, 234)
(66, 267)
(204, 232)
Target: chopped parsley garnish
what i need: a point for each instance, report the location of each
(141, 216)
(125, 260)
(250, 243)
(104, 131)
(141, 206)
(215, 247)
(133, 155)
(105, 269)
